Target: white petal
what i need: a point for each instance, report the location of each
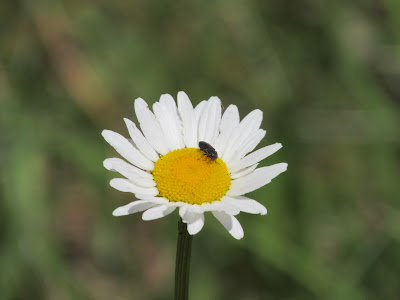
(177, 204)
(157, 212)
(243, 172)
(248, 146)
(196, 225)
(126, 150)
(210, 121)
(203, 122)
(246, 128)
(198, 111)
(255, 157)
(193, 208)
(133, 207)
(151, 198)
(255, 180)
(230, 223)
(215, 120)
(150, 127)
(166, 114)
(138, 176)
(229, 209)
(220, 206)
(230, 118)
(115, 164)
(251, 122)
(124, 185)
(188, 117)
(140, 141)
(229, 121)
(187, 215)
(245, 204)
(154, 199)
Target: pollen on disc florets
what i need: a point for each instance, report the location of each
(187, 175)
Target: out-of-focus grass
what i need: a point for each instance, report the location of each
(326, 76)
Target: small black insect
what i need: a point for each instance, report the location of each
(208, 150)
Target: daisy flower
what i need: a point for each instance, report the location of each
(165, 168)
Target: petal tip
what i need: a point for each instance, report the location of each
(215, 98)
(238, 235)
(182, 94)
(139, 102)
(105, 132)
(107, 164)
(118, 212)
(166, 97)
(145, 218)
(258, 111)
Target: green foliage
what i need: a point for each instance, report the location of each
(326, 75)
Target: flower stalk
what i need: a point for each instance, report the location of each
(182, 267)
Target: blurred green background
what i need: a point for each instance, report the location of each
(326, 75)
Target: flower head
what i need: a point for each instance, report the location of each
(195, 159)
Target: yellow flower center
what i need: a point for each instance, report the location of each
(188, 175)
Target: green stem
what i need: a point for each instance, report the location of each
(182, 266)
